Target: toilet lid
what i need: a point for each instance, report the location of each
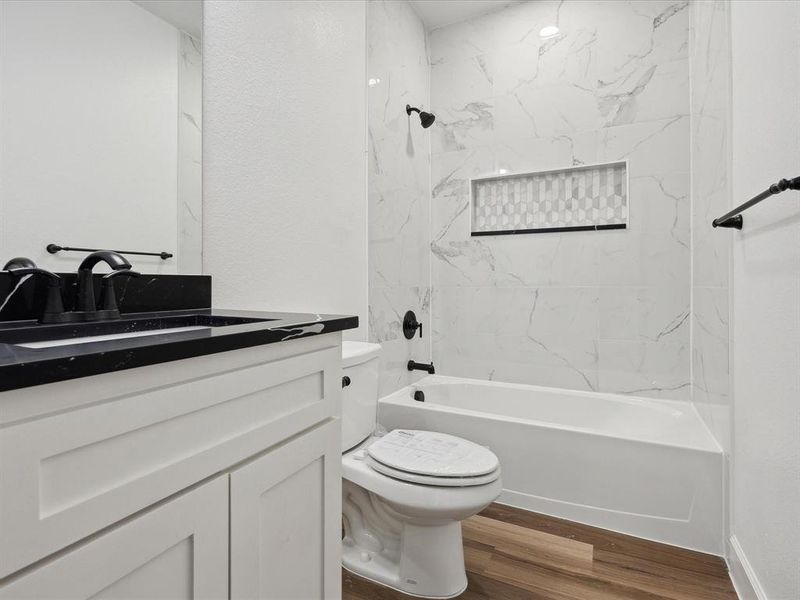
(432, 479)
(431, 454)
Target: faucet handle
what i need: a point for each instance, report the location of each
(108, 294)
(20, 271)
(54, 305)
(411, 325)
(120, 273)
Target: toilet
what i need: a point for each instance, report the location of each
(405, 493)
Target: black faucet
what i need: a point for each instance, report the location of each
(86, 301)
(54, 305)
(415, 366)
(108, 297)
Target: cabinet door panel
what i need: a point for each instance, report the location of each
(67, 475)
(178, 550)
(286, 521)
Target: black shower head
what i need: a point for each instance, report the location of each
(425, 118)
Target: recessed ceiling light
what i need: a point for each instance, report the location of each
(374, 81)
(548, 31)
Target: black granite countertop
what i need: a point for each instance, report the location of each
(22, 366)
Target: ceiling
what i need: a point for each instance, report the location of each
(186, 15)
(438, 13)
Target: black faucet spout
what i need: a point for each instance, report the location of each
(113, 259)
(415, 366)
(86, 300)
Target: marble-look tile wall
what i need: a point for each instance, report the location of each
(190, 155)
(605, 310)
(710, 192)
(399, 186)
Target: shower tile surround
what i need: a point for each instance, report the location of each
(587, 197)
(710, 105)
(594, 310)
(398, 188)
(190, 155)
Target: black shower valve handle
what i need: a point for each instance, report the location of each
(411, 325)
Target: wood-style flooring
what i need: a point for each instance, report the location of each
(513, 554)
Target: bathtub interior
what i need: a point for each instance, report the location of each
(669, 422)
(644, 467)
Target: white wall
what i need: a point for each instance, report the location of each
(88, 128)
(766, 297)
(284, 224)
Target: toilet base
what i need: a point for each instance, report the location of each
(404, 591)
(420, 559)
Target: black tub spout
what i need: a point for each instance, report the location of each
(415, 366)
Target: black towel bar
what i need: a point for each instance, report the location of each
(53, 248)
(734, 219)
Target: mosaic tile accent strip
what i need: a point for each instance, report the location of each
(573, 199)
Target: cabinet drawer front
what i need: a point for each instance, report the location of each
(65, 476)
(176, 550)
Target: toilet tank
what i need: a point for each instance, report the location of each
(360, 397)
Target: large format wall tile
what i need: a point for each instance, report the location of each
(387, 306)
(399, 187)
(710, 117)
(602, 311)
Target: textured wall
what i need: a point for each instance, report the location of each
(284, 199)
(765, 146)
(710, 106)
(587, 310)
(399, 187)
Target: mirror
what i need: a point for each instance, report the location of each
(100, 121)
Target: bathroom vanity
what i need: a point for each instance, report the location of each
(201, 463)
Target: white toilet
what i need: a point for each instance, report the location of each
(405, 494)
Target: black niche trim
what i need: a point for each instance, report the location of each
(551, 229)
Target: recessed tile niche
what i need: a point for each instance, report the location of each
(572, 199)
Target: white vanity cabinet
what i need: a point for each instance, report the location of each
(210, 477)
(286, 521)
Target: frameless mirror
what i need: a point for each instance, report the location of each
(100, 120)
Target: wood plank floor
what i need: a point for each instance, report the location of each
(513, 554)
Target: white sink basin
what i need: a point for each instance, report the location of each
(106, 338)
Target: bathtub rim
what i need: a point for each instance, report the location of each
(403, 397)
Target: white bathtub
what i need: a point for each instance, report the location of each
(645, 467)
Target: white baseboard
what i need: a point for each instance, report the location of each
(742, 575)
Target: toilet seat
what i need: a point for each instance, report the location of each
(432, 458)
(432, 479)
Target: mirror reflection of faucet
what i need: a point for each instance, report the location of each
(85, 305)
(54, 305)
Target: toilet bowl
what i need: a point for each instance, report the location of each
(405, 494)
